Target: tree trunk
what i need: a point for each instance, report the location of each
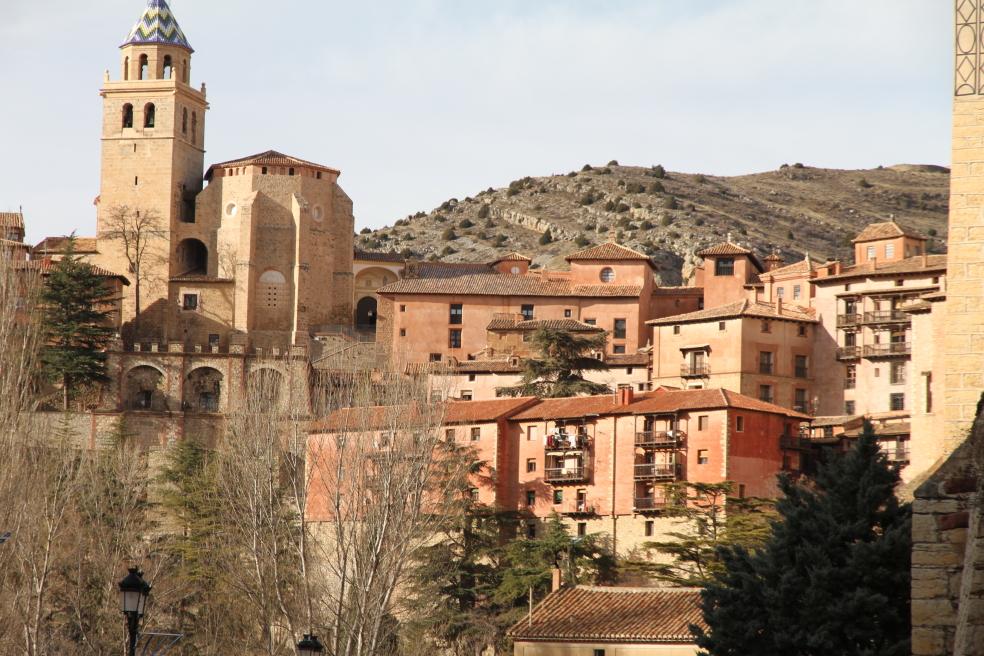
(65, 393)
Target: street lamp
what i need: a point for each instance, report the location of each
(309, 646)
(133, 599)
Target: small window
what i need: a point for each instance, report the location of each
(190, 302)
(184, 121)
(527, 312)
(531, 466)
(466, 395)
(456, 314)
(472, 378)
(531, 433)
(473, 493)
(454, 338)
(765, 393)
(530, 497)
(194, 127)
(476, 434)
(403, 332)
(568, 314)
(741, 490)
(801, 368)
(766, 360)
(619, 329)
(702, 422)
(889, 251)
(676, 330)
(739, 424)
(591, 322)
(781, 292)
(168, 67)
(582, 529)
(871, 252)
(702, 457)
(531, 531)
(801, 331)
(896, 402)
(290, 171)
(128, 115)
(150, 115)
(435, 357)
(766, 326)
(900, 283)
(558, 497)
(649, 528)
(403, 308)
(797, 292)
(618, 349)
(599, 652)
(144, 68)
(721, 325)
(450, 434)
(724, 266)
(607, 275)
(849, 408)
(628, 371)
(263, 171)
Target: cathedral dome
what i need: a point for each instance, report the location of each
(157, 26)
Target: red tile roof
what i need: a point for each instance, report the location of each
(803, 266)
(45, 266)
(512, 257)
(933, 264)
(746, 308)
(602, 614)
(269, 158)
(609, 251)
(397, 417)
(57, 245)
(569, 325)
(627, 360)
(725, 248)
(371, 256)
(11, 220)
(463, 282)
(885, 230)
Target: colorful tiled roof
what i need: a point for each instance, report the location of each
(570, 325)
(11, 220)
(609, 251)
(932, 264)
(885, 230)
(269, 158)
(608, 614)
(466, 282)
(157, 25)
(745, 308)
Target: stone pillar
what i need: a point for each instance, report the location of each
(964, 342)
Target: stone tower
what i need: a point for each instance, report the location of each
(153, 148)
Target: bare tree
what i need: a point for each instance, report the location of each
(138, 231)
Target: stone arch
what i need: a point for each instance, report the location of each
(144, 67)
(126, 68)
(265, 388)
(143, 389)
(192, 258)
(203, 390)
(365, 313)
(150, 115)
(272, 289)
(168, 69)
(128, 115)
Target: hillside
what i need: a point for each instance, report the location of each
(671, 215)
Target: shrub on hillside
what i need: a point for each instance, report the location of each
(483, 212)
(449, 235)
(546, 238)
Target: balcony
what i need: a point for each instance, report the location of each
(792, 443)
(849, 353)
(653, 504)
(891, 350)
(695, 371)
(581, 508)
(886, 316)
(565, 474)
(659, 439)
(898, 455)
(845, 320)
(655, 472)
(563, 442)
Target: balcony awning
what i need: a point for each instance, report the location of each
(696, 347)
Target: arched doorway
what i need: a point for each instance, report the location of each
(193, 257)
(365, 314)
(203, 390)
(143, 389)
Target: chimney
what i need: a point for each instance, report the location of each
(624, 395)
(556, 580)
(779, 306)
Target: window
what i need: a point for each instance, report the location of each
(628, 371)
(194, 127)
(558, 496)
(527, 312)
(128, 115)
(702, 457)
(473, 493)
(900, 283)
(801, 369)
(403, 308)
(649, 528)
(213, 340)
(741, 490)
(618, 349)
(801, 331)
(456, 314)
(765, 393)
(454, 338)
(871, 252)
(739, 424)
(184, 121)
(568, 314)
(190, 302)
(582, 529)
(849, 408)
(724, 266)
(765, 362)
(766, 326)
(797, 292)
(599, 652)
(781, 292)
(676, 330)
(531, 433)
(531, 531)
(607, 275)
(435, 357)
(263, 171)
(208, 401)
(591, 322)
(702, 422)
(150, 115)
(531, 466)
(472, 378)
(530, 497)
(403, 332)
(896, 402)
(144, 399)
(272, 288)
(126, 68)
(889, 251)
(466, 395)
(928, 384)
(619, 329)
(168, 67)
(476, 434)
(850, 339)
(721, 325)
(450, 434)
(898, 373)
(800, 403)
(290, 171)
(144, 68)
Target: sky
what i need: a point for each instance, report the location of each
(418, 101)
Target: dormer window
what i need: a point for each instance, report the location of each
(724, 266)
(607, 275)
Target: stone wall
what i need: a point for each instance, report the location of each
(948, 554)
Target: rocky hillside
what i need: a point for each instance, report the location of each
(671, 215)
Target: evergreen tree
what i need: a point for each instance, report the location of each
(559, 369)
(834, 578)
(75, 327)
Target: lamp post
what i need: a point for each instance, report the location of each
(133, 599)
(310, 646)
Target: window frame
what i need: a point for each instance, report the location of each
(724, 266)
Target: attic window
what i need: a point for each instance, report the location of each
(319, 175)
(607, 275)
(724, 266)
(290, 171)
(263, 170)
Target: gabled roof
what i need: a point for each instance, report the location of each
(11, 220)
(745, 308)
(269, 158)
(569, 325)
(608, 614)
(512, 257)
(806, 265)
(885, 230)
(916, 264)
(609, 251)
(45, 266)
(58, 245)
(157, 26)
(728, 248)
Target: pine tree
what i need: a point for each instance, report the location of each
(559, 369)
(75, 327)
(833, 578)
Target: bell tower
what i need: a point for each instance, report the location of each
(153, 150)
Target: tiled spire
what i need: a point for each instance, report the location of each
(157, 25)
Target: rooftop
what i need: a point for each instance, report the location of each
(609, 251)
(157, 26)
(11, 220)
(512, 257)
(609, 614)
(397, 417)
(269, 158)
(885, 230)
(569, 325)
(729, 248)
(58, 245)
(806, 265)
(917, 264)
(480, 280)
(745, 308)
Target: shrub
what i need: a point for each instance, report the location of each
(572, 174)
(537, 207)
(646, 224)
(614, 162)
(606, 171)
(701, 178)
(622, 207)
(610, 206)
(465, 223)
(932, 232)
(449, 235)
(790, 235)
(586, 168)
(546, 238)
(624, 222)
(365, 231)
(406, 254)
(635, 188)
(587, 199)
(483, 212)
(658, 171)
(512, 191)
(440, 218)
(656, 188)
(665, 221)
(864, 184)
(581, 241)
(670, 203)
(699, 221)
(500, 240)
(590, 227)
(448, 251)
